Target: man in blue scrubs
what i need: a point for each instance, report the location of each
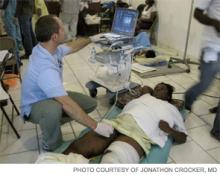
(43, 98)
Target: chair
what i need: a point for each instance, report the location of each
(5, 96)
(8, 43)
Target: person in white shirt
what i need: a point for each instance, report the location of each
(144, 121)
(207, 12)
(147, 15)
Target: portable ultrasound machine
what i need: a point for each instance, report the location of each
(115, 60)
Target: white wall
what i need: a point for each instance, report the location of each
(173, 23)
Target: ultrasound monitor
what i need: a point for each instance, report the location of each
(124, 22)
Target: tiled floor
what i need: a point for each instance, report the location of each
(199, 148)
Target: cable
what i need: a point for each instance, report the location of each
(111, 109)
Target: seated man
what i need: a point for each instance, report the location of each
(144, 121)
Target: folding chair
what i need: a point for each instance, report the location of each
(5, 96)
(8, 43)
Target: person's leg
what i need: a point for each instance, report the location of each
(73, 26)
(33, 37)
(90, 145)
(48, 114)
(87, 103)
(11, 30)
(18, 36)
(216, 126)
(25, 26)
(66, 19)
(120, 152)
(208, 72)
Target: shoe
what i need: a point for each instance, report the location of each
(189, 108)
(215, 135)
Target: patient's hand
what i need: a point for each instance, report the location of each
(164, 126)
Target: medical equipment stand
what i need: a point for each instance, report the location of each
(113, 58)
(185, 60)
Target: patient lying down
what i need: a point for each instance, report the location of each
(144, 121)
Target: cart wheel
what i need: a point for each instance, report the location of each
(188, 71)
(93, 92)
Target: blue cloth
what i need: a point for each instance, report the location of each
(208, 71)
(43, 77)
(11, 26)
(142, 40)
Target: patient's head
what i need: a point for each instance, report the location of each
(163, 91)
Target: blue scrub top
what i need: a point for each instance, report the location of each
(43, 77)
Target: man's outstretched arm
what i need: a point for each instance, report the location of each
(78, 44)
(179, 137)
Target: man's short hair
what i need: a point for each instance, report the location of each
(46, 26)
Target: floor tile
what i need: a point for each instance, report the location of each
(11, 145)
(20, 158)
(215, 153)
(193, 121)
(190, 152)
(201, 135)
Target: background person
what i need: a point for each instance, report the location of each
(40, 10)
(12, 27)
(69, 15)
(147, 15)
(24, 13)
(207, 12)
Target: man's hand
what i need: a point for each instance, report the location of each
(164, 126)
(104, 129)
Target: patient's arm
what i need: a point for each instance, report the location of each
(179, 137)
(90, 145)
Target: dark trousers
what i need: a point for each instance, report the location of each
(28, 37)
(208, 72)
(216, 125)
